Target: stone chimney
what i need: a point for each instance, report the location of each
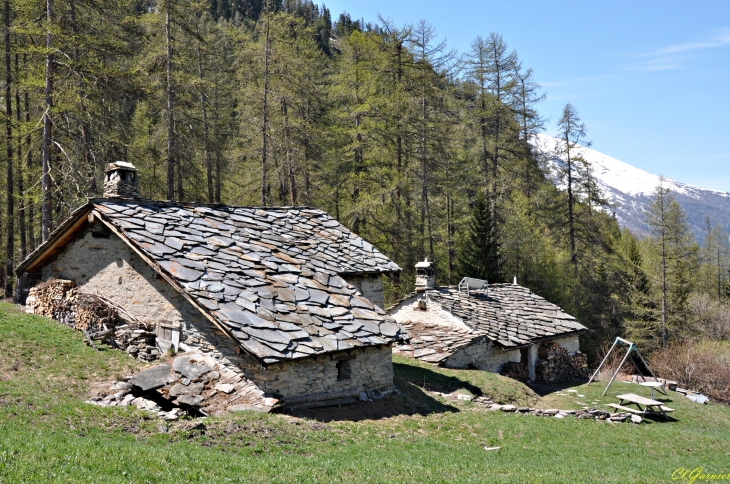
(121, 180)
(425, 276)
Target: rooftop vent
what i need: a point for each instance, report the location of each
(471, 284)
(425, 276)
(121, 180)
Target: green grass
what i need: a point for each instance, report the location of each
(47, 433)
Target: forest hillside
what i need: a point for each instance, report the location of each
(422, 150)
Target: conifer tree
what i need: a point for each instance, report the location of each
(668, 224)
(480, 250)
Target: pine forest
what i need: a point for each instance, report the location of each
(421, 150)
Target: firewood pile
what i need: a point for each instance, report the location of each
(555, 364)
(99, 318)
(61, 300)
(517, 371)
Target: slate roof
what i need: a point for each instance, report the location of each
(434, 343)
(508, 314)
(271, 277)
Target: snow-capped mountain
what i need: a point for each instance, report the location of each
(629, 190)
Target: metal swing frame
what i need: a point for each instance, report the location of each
(631, 349)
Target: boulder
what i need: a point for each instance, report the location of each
(144, 404)
(192, 400)
(192, 389)
(152, 378)
(193, 365)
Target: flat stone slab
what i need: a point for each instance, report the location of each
(192, 389)
(224, 387)
(152, 378)
(192, 400)
(193, 365)
(242, 407)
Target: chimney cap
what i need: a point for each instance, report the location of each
(425, 264)
(120, 165)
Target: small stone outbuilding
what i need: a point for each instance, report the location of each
(284, 298)
(490, 328)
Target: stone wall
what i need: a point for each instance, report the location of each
(316, 378)
(370, 286)
(570, 343)
(108, 266)
(434, 314)
(482, 355)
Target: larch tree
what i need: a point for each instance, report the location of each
(675, 250)
(573, 169)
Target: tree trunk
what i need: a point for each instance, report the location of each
(217, 147)
(664, 291)
(10, 225)
(19, 169)
(46, 218)
(28, 162)
(289, 157)
(171, 158)
(264, 120)
(83, 127)
(206, 143)
(571, 221)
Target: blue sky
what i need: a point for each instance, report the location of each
(650, 79)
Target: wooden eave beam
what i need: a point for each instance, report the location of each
(61, 236)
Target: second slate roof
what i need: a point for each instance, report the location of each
(509, 314)
(272, 277)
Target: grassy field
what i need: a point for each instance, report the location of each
(47, 433)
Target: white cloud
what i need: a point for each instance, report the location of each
(716, 41)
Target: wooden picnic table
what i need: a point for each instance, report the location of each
(653, 384)
(649, 406)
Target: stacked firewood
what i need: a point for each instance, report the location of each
(555, 364)
(61, 300)
(99, 318)
(46, 298)
(517, 371)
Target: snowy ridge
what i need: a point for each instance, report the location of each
(622, 177)
(629, 189)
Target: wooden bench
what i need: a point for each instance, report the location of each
(625, 409)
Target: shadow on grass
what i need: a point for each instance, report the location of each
(433, 381)
(413, 384)
(543, 389)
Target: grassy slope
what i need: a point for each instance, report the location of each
(47, 433)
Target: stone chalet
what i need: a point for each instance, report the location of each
(285, 297)
(480, 327)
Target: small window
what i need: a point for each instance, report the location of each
(168, 335)
(344, 371)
